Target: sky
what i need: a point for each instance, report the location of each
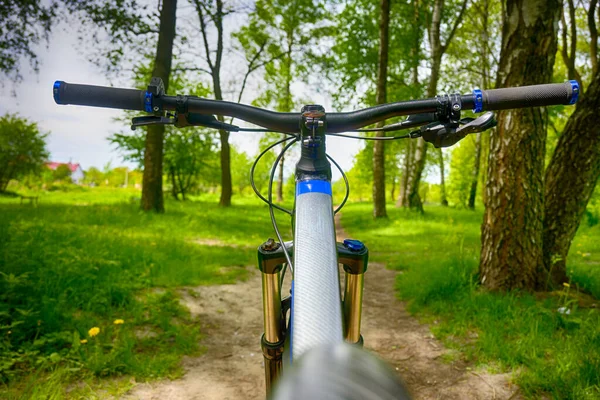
(79, 134)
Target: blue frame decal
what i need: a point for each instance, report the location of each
(313, 186)
(291, 330)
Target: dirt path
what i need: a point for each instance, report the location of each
(231, 318)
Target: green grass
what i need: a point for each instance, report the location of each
(85, 259)
(555, 354)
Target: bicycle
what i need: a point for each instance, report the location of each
(315, 314)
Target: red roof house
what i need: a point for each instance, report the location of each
(76, 170)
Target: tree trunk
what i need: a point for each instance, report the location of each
(511, 250)
(216, 17)
(485, 68)
(404, 181)
(414, 200)
(174, 191)
(379, 210)
(437, 51)
(475, 176)
(280, 180)
(444, 200)
(570, 180)
(226, 189)
(152, 192)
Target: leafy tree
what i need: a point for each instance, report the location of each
(574, 168)
(26, 23)
(379, 210)
(93, 176)
(152, 192)
(189, 156)
(438, 42)
(62, 173)
(459, 181)
(240, 174)
(22, 148)
(284, 30)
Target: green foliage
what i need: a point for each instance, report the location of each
(556, 354)
(592, 212)
(351, 63)
(22, 148)
(281, 33)
(62, 173)
(24, 24)
(240, 173)
(93, 176)
(461, 172)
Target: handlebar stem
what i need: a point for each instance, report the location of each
(313, 163)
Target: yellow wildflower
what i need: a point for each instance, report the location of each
(94, 331)
(83, 341)
(118, 321)
(565, 284)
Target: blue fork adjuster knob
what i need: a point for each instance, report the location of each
(477, 101)
(353, 244)
(575, 92)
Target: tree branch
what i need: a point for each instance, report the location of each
(456, 23)
(203, 30)
(186, 69)
(593, 36)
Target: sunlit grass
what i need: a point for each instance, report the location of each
(552, 353)
(85, 259)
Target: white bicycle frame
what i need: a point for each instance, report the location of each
(319, 316)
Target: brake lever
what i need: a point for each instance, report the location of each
(150, 120)
(479, 124)
(447, 134)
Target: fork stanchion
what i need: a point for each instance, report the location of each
(354, 256)
(353, 291)
(270, 262)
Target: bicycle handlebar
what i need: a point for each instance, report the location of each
(481, 100)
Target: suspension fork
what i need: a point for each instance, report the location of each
(354, 256)
(270, 261)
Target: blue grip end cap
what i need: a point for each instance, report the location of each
(56, 91)
(477, 101)
(574, 92)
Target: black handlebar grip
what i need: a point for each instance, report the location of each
(530, 96)
(102, 96)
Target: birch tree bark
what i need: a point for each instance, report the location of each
(511, 233)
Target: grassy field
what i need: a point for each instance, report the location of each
(91, 259)
(556, 354)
